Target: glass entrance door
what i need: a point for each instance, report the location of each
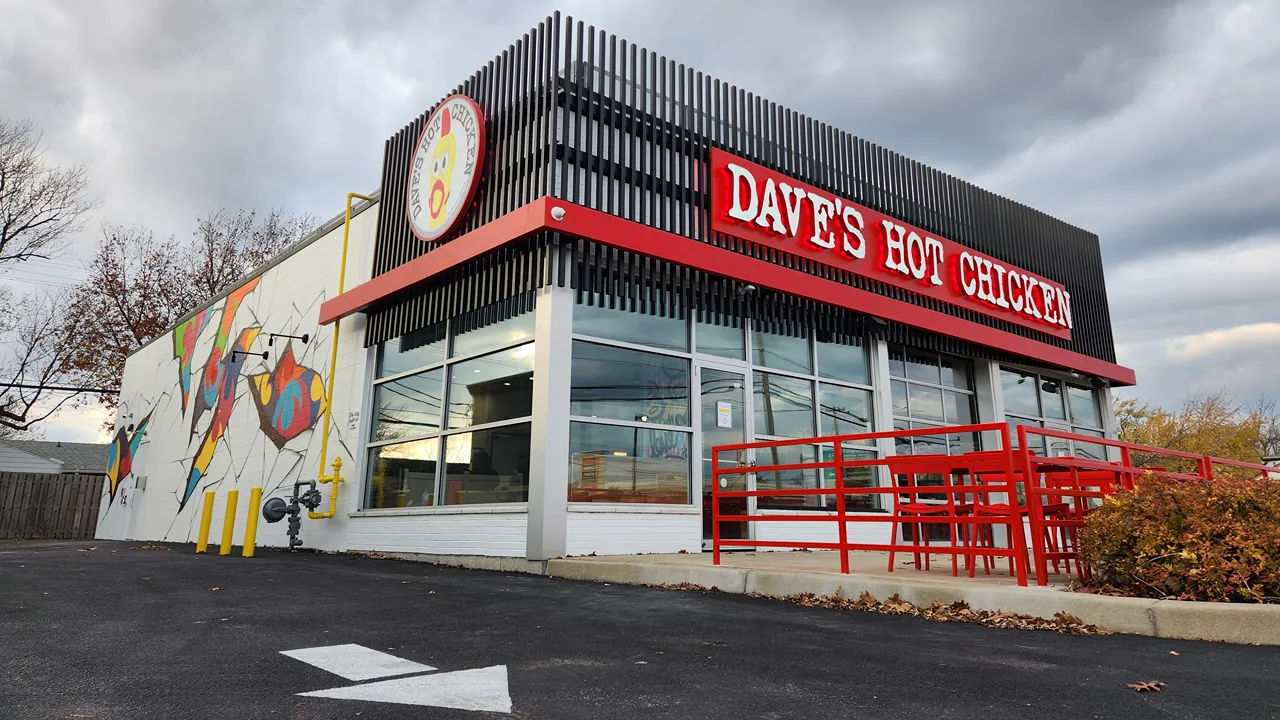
(723, 393)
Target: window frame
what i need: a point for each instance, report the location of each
(439, 436)
(1066, 382)
(921, 422)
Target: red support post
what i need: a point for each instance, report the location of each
(1035, 513)
(1017, 538)
(840, 508)
(715, 507)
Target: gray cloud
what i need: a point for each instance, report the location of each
(1152, 124)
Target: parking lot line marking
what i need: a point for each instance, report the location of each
(483, 689)
(356, 662)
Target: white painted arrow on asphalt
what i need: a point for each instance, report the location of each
(479, 689)
(483, 689)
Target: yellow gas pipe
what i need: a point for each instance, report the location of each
(336, 477)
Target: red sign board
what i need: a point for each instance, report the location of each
(754, 203)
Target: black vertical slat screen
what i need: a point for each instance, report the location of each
(585, 116)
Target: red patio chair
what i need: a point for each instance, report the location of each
(925, 514)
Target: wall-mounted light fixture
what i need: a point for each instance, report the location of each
(246, 353)
(271, 338)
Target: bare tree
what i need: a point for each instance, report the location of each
(36, 362)
(228, 245)
(40, 204)
(135, 290)
(138, 286)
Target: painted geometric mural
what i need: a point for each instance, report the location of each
(211, 378)
(224, 401)
(289, 399)
(124, 448)
(184, 350)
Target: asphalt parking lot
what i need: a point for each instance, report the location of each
(117, 633)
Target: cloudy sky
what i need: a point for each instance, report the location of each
(1154, 124)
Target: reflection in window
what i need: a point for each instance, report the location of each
(1020, 394)
(408, 406)
(780, 352)
(632, 327)
(721, 341)
(783, 405)
(843, 362)
(487, 466)
(844, 410)
(494, 335)
(788, 479)
(621, 384)
(1051, 399)
(925, 402)
(492, 387)
(613, 463)
(413, 350)
(403, 475)
(1084, 407)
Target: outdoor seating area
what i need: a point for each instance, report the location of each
(1009, 506)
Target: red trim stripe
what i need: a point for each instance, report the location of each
(627, 235)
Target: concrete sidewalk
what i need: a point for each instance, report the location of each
(780, 574)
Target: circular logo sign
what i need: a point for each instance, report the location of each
(446, 167)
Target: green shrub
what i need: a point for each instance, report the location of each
(1191, 540)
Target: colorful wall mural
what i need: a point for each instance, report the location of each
(289, 399)
(220, 415)
(124, 448)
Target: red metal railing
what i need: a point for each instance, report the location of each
(970, 510)
(975, 494)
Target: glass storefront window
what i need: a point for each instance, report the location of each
(615, 463)
(1020, 394)
(408, 406)
(780, 352)
(495, 335)
(788, 479)
(1051, 399)
(621, 384)
(1084, 407)
(934, 390)
(491, 387)
(487, 466)
(925, 402)
(1041, 401)
(720, 340)
(843, 362)
(783, 405)
(419, 348)
(403, 475)
(631, 327)
(844, 410)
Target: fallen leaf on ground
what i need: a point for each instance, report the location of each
(1174, 652)
(151, 547)
(1148, 686)
(214, 589)
(89, 549)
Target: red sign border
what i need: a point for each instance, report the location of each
(477, 177)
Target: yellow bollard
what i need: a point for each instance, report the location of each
(229, 522)
(251, 524)
(206, 519)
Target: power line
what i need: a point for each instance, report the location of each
(60, 388)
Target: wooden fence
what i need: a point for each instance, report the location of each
(49, 506)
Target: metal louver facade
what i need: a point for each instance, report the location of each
(581, 115)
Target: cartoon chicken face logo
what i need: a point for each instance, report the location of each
(446, 167)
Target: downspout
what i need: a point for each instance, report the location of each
(336, 477)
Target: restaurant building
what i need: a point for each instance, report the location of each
(585, 267)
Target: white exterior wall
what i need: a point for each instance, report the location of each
(615, 530)
(286, 299)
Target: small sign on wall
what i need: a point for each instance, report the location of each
(724, 414)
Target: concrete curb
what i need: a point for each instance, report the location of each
(1175, 619)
